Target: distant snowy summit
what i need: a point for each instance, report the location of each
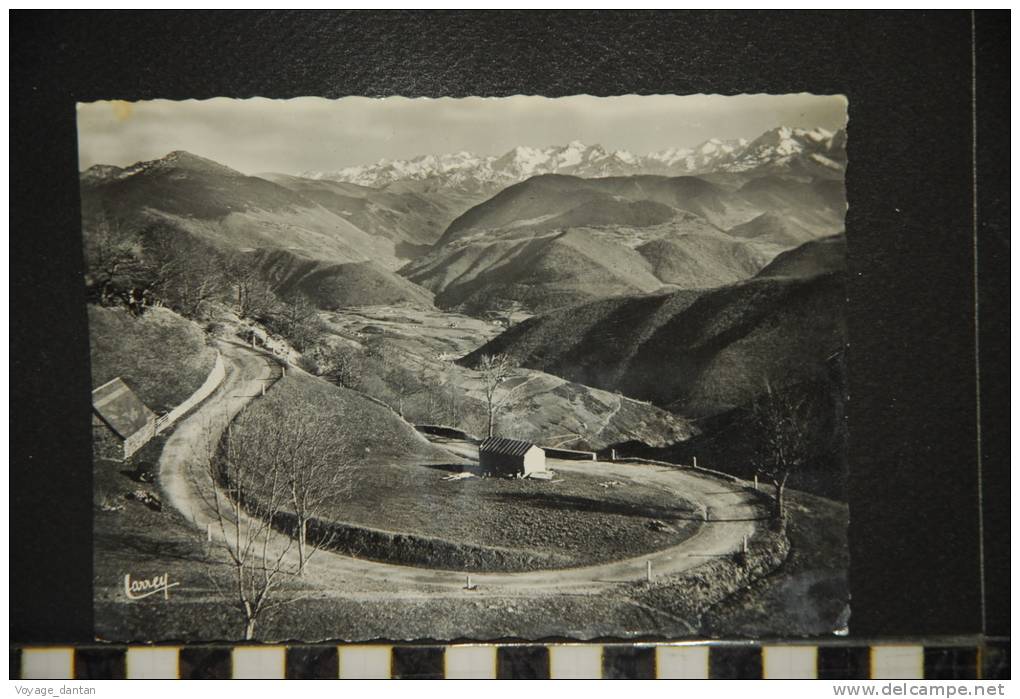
(798, 151)
(783, 150)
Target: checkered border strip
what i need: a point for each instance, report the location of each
(525, 661)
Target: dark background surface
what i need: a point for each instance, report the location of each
(915, 482)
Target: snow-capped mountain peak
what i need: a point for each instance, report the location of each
(778, 147)
(783, 145)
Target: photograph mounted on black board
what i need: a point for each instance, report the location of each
(467, 368)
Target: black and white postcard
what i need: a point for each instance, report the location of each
(472, 368)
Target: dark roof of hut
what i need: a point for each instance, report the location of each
(120, 408)
(508, 447)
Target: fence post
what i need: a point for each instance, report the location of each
(648, 571)
(756, 481)
(695, 461)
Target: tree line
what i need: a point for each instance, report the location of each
(159, 265)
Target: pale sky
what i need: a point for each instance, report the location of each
(310, 133)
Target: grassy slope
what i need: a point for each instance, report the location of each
(330, 286)
(144, 542)
(772, 228)
(396, 485)
(544, 272)
(162, 356)
(548, 517)
(400, 214)
(374, 432)
(600, 201)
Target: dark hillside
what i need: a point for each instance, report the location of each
(812, 258)
(697, 353)
(716, 354)
(722, 442)
(591, 341)
(698, 261)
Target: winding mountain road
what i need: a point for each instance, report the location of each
(730, 508)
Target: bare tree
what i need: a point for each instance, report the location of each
(340, 364)
(112, 258)
(253, 297)
(402, 382)
(452, 408)
(317, 465)
(244, 514)
(197, 288)
(431, 387)
(181, 272)
(781, 438)
(494, 370)
(279, 467)
(297, 320)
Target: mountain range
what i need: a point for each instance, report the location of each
(555, 240)
(683, 278)
(475, 233)
(720, 344)
(783, 150)
(302, 241)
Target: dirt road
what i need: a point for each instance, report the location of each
(730, 508)
(184, 482)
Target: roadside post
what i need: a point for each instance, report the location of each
(648, 570)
